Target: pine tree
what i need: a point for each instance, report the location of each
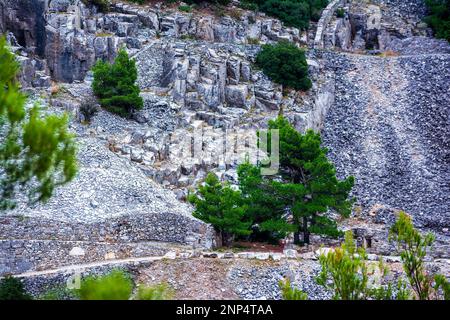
(310, 187)
(285, 64)
(37, 153)
(115, 85)
(221, 206)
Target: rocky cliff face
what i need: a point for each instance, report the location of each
(379, 97)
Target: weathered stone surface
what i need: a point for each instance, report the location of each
(236, 95)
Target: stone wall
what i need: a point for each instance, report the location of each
(28, 244)
(325, 19)
(19, 256)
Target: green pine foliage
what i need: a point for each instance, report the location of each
(345, 272)
(115, 85)
(310, 187)
(346, 268)
(413, 247)
(439, 17)
(221, 206)
(264, 207)
(12, 289)
(37, 153)
(116, 285)
(285, 63)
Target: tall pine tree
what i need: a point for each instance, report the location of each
(310, 187)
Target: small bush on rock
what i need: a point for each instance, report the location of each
(185, 8)
(285, 64)
(340, 13)
(114, 85)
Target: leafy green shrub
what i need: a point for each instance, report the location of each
(12, 289)
(248, 5)
(439, 17)
(115, 285)
(216, 2)
(221, 206)
(160, 291)
(253, 41)
(289, 293)
(36, 153)
(114, 85)
(285, 64)
(413, 247)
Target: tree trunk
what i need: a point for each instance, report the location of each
(227, 239)
(305, 231)
(297, 237)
